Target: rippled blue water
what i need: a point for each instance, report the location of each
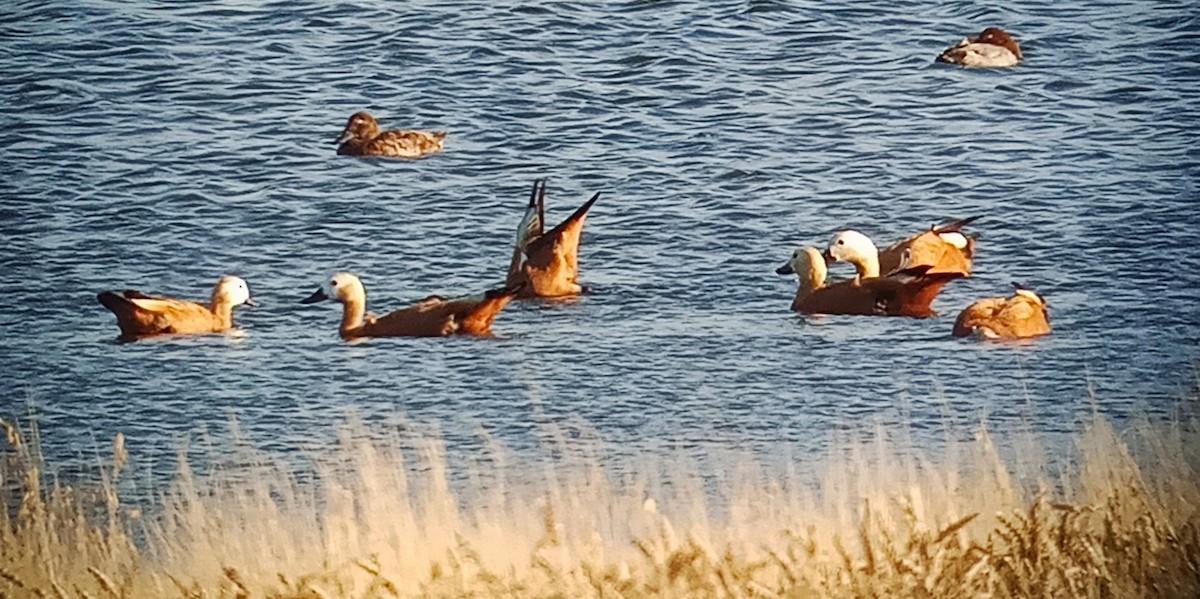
(159, 145)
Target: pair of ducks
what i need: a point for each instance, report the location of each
(544, 264)
(916, 270)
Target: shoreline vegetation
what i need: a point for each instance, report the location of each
(376, 519)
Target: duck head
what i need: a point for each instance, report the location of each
(361, 126)
(342, 287)
(999, 37)
(855, 248)
(232, 291)
(809, 264)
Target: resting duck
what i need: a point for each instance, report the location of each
(1017, 317)
(362, 137)
(434, 316)
(906, 292)
(992, 48)
(547, 263)
(140, 315)
(944, 248)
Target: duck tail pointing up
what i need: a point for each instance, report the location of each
(479, 320)
(572, 222)
(115, 302)
(583, 210)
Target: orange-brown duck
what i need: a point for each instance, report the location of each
(434, 316)
(1017, 317)
(906, 292)
(140, 315)
(547, 263)
(944, 248)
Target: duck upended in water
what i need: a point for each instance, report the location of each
(434, 316)
(140, 315)
(362, 137)
(908, 291)
(944, 248)
(547, 263)
(994, 47)
(1017, 317)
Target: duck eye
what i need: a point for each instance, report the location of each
(841, 242)
(333, 283)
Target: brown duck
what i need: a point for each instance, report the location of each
(362, 137)
(434, 316)
(140, 315)
(547, 264)
(906, 292)
(1017, 317)
(944, 248)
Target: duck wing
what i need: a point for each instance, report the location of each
(530, 228)
(405, 144)
(436, 316)
(139, 314)
(908, 292)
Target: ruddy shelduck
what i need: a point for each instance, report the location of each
(434, 316)
(140, 315)
(362, 137)
(944, 248)
(547, 264)
(1017, 317)
(908, 291)
(994, 47)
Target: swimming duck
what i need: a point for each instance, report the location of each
(994, 47)
(1022, 315)
(434, 316)
(362, 137)
(908, 291)
(140, 315)
(944, 248)
(548, 263)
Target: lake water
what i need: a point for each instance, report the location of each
(159, 145)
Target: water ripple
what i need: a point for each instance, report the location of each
(161, 145)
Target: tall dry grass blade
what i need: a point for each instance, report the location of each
(106, 583)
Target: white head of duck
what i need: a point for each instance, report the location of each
(856, 248)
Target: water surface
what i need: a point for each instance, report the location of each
(159, 145)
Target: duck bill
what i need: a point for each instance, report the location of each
(317, 296)
(829, 259)
(250, 302)
(786, 269)
(344, 137)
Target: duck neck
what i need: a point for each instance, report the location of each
(811, 279)
(867, 266)
(353, 311)
(223, 314)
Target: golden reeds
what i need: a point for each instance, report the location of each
(386, 518)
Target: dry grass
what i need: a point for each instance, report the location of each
(382, 519)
